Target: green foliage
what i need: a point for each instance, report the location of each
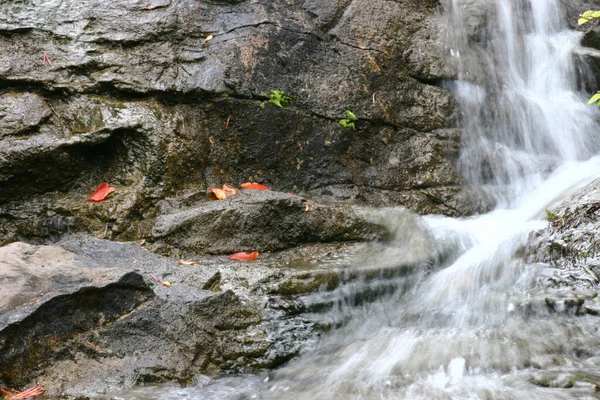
(551, 216)
(348, 122)
(554, 219)
(584, 18)
(588, 16)
(279, 98)
(595, 99)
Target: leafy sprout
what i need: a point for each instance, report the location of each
(588, 16)
(279, 98)
(595, 99)
(348, 122)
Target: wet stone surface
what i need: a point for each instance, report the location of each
(138, 97)
(84, 316)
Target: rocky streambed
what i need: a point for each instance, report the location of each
(165, 98)
(85, 316)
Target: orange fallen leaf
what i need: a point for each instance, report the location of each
(208, 38)
(254, 186)
(102, 192)
(33, 391)
(218, 194)
(244, 256)
(188, 262)
(306, 207)
(230, 190)
(166, 284)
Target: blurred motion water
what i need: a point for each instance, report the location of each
(473, 324)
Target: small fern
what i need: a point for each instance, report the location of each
(349, 121)
(279, 98)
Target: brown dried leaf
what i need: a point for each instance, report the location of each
(217, 194)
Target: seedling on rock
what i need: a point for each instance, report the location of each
(279, 98)
(348, 122)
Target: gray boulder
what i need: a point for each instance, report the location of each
(163, 98)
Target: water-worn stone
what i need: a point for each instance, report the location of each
(85, 316)
(59, 301)
(258, 221)
(138, 96)
(571, 242)
(20, 113)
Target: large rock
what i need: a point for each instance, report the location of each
(259, 220)
(571, 243)
(59, 301)
(138, 96)
(84, 316)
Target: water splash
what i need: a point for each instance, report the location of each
(475, 327)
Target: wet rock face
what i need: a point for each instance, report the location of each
(84, 315)
(137, 95)
(589, 54)
(571, 243)
(265, 221)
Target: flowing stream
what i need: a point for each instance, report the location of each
(473, 325)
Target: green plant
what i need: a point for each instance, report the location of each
(595, 99)
(279, 98)
(551, 216)
(590, 16)
(348, 122)
(554, 219)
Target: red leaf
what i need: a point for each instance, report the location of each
(254, 186)
(102, 192)
(244, 256)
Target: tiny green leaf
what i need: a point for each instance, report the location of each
(587, 16)
(348, 122)
(279, 98)
(594, 98)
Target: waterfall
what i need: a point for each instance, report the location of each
(474, 326)
(522, 116)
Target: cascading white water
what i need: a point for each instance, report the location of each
(521, 114)
(474, 329)
(462, 332)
